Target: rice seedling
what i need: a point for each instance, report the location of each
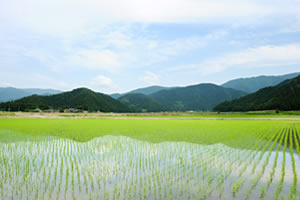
(294, 186)
(262, 192)
(297, 141)
(67, 179)
(257, 178)
(279, 188)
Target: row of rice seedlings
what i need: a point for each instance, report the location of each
(60, 175)
(239, 162)
(166, 172)
(210, 174)
(257, 146)
(270, 180)
(144, 177)
(224, 174)
(78, 173)
(251, 158)
(86, 182)
(2, 175)
(18, 165)
(6, 167)
(262, 148)
(143, 164)
(8, 164)
(206, 172)
(257, 178)
(53, 182)
(205, 163)
(262, 154)
(73, 179)
(221, 176)
(48, 180)
(294, 186)
(67, 174)
(279, 187)
(297, 141)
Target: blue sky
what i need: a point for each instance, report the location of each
(116, 46)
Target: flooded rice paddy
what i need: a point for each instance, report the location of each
(118, 167)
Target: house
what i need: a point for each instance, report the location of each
(37, 110)
(51, 111)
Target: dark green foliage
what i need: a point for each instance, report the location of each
(284, 96)
(201, 97)
(80, 98)
(149, 90)
(253, 84)
(142, 103)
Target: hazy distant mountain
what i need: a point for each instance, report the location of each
(146, 91)
(142, 103)
(284, 96)
(115, 95)
(81, 98)
(10, 93)
(196, 97)
(253, 84)
(42, 91)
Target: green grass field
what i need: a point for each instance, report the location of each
(193, 131)
(149, 159)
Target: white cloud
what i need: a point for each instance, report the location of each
(73, 17)
(181, 45)
(263, 56)
(35, 80)
(97, 59)
(103, 84)
(112, 36)
(150, 78)
(45, 81)
(72, 58)
(117, 39)
(117, 50)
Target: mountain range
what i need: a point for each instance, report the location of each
(81, 98)
(10, 93)
(142, 103)
(253, 84)
(200, 97)
(284, 96)
(146, 91)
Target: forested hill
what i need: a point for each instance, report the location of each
(284, 96)
(254, 84)
(81, 98)
(146, 91)
(142, 103)
(201, 97)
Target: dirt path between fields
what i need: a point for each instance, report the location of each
(128, 117)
